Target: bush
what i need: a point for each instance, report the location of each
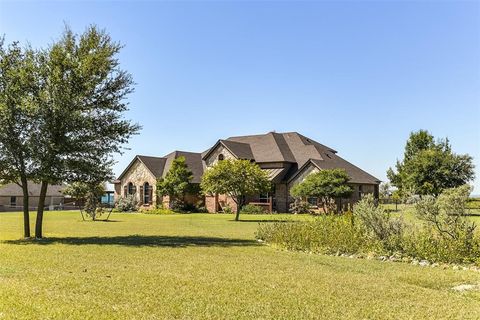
(425, 243)
(300, 206)
(447, 214)
(379, 224)
(443, 235)
(158, 211)
(252, 209)
(126, 204)
(327, 234)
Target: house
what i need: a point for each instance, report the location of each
(286, 157)
(11, 196)
(140, 177)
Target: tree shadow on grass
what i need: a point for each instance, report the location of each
(141, 241)
(260, 220)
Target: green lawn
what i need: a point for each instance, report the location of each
(202, 266)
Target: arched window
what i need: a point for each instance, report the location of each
(220, 157)
(146, 193)
(131, 188)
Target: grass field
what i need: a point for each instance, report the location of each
(201, 266)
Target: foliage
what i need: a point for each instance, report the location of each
(327, 234)
(429, 167)
(89, 194)
(252, 209)
(157, 211)
(447, 213)
(17, 83)
(300, 206)
(237, 179)
(327, 185)
(445, 237)
(72, 111)
(177, 183)
(378, 223)
(126, 204)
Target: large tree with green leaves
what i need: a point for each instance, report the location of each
(429, 167)
(18, 86)
(327, 185)
(177, 183)
(80, 110)
(236, 179)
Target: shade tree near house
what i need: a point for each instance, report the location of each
(429, 167)
(177, 183)
(329, 186)
(17, 83)
(76, 106)
(237, 179)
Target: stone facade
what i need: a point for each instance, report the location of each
(212, 158)
(138, 174)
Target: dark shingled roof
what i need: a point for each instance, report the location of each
(156, 165)
(239, 149)
(159, 166)
(192, 159)
(295, 148)
(356, 174)
(14, 190)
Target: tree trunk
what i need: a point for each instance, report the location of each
(239, 206)
(41, 205)
(26, 212)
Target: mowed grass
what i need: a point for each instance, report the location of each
(205, 266)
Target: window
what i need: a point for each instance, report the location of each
(221, 157)
(313, 201)
(13, 201)
(146, 193)
(131, 188)
(264, 198)
(360, 191)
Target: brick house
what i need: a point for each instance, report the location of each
(140, 177)
(286, 157)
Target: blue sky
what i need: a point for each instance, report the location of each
(356, 76)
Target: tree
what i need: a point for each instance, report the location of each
(328, 185)
(430, 167)
(18, 84)
(87, 193)
(177, 182)
(237, 179)
(80, 111)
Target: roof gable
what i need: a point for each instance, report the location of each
(193, 160)
(154, 164)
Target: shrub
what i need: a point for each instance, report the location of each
(158, 211)
(300, 206)
(379, 224)
(443, 235)
(126, 204)
(447, 213)
(325, 234)
(252, 209)
(227, 209)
